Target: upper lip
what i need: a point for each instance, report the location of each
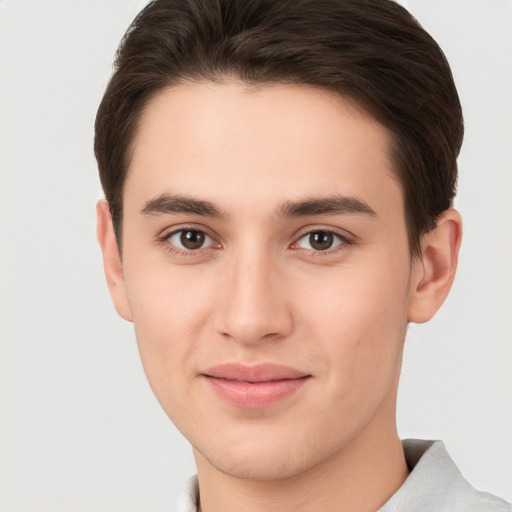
(263, 372)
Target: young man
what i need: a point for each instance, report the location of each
(279, 178)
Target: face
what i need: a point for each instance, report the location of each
(267, 273)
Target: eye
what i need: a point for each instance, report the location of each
(320, 241)
(190, 239)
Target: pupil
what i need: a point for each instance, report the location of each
(192, 239)
(321, 240)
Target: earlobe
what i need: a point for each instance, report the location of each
(111, 260)
(434, 269)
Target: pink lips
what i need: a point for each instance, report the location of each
(254, 386)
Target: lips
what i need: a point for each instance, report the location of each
(254, 386)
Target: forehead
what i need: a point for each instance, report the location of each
(244, 145)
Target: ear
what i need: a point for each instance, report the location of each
(112, 260)
(434, 269)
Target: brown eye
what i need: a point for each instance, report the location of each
(190, 239)
(320, 240)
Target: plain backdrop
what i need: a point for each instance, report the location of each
(79, 427)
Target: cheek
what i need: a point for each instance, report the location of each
(359, 319)
(170, 309)
(166, 299)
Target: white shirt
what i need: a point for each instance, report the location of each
(434, 485)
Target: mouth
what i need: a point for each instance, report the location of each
(253, 387)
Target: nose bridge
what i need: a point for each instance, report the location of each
(255, 306)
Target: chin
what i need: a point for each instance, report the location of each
(247, 467)
(270, 458)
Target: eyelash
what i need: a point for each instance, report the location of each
(165, 241)
(342, 239)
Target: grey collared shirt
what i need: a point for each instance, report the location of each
(434, 485)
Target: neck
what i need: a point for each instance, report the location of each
(361, 477)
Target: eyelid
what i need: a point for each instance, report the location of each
(171, 230)
(207, 239)
(167, 233)
(346, 238)
(344, 234)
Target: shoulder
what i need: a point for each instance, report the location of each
(435, 483)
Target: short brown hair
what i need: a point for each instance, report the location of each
(372, 51)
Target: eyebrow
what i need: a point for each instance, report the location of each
(170, 203)
(325, 205)
(181, 204)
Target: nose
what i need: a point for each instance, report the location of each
(254, 307)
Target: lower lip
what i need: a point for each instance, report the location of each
(253, 395)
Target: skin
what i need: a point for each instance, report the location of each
(258, 290)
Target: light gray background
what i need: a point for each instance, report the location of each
(79, 427)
